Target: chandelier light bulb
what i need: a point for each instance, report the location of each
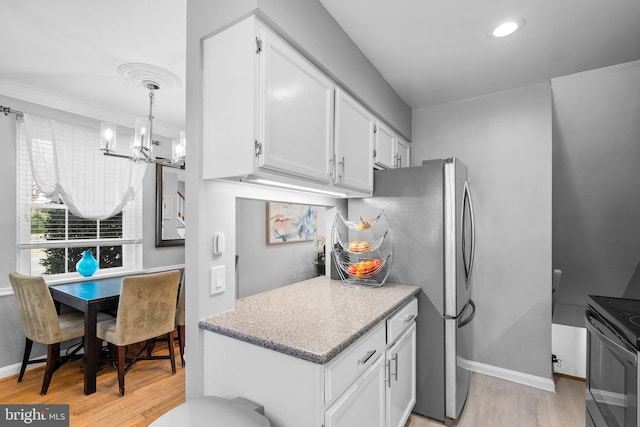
(178, 149)
(107, 137)
(141, 140)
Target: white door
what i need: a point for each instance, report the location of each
(353, 144)
(363, 404)
(385, 146)
(401, 386)
(295, 113)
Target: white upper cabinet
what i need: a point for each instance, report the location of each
(385, 146)
(391, 150)
(296, 111)
(267, 111)
(353, 144)
(403, 153)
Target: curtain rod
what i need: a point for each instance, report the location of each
(9, 110)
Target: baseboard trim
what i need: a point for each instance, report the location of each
(9, 370)
(571, 377)
(545, 384)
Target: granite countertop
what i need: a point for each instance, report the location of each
(313, 320)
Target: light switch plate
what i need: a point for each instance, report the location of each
(218, 280)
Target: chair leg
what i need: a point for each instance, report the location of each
(25, 358)
(171, 337)
(150, 345)
(181, 341)
(53, 352)
(120, 362)
(99, 347)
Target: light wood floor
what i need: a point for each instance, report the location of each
(151, 391)
(493, 402)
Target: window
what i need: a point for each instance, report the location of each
(51, 239)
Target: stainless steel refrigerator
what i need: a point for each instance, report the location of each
(430, 212)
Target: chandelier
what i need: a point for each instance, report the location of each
(142, 142)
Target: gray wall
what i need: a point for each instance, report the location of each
(211, 204)
(12, 336)
(263, 267)
(505, 140)
(596, 196)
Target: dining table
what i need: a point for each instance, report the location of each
(91, 297)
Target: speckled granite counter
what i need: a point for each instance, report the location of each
(313, 320)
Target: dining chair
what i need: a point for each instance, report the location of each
(180, 319)
(42, 323)
(146, 310)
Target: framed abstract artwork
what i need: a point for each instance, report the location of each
(290, 223)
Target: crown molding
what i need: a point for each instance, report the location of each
(75, 106)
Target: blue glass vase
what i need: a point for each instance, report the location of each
(87, 264)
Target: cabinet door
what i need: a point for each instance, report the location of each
(385, 146)
(295, 113)
(401, 385)
(229, 102)
(353, 144)
(363, 403)
(403, 153)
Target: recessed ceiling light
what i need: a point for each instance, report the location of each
(507, 28)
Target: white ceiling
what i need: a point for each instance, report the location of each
(435, 51)
(73, 48)
(430, 51)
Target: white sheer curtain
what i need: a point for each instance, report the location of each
(67, 166)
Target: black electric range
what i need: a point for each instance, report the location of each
(623, 314)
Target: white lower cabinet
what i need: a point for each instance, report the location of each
(363, 404)
(370, 383)
(385, 393)
(401, 378)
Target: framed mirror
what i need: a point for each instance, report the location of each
(170, 204)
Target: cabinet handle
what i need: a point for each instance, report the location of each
(332, 167)
(409, 318)
(387, 373)
(341, 164)
(364, 359)
(399, 161)
(395, 374)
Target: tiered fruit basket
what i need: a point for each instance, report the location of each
(362, 249)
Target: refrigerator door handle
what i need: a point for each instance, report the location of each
(470, 317)
(468, 204)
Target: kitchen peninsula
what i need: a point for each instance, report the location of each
(318, 353)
